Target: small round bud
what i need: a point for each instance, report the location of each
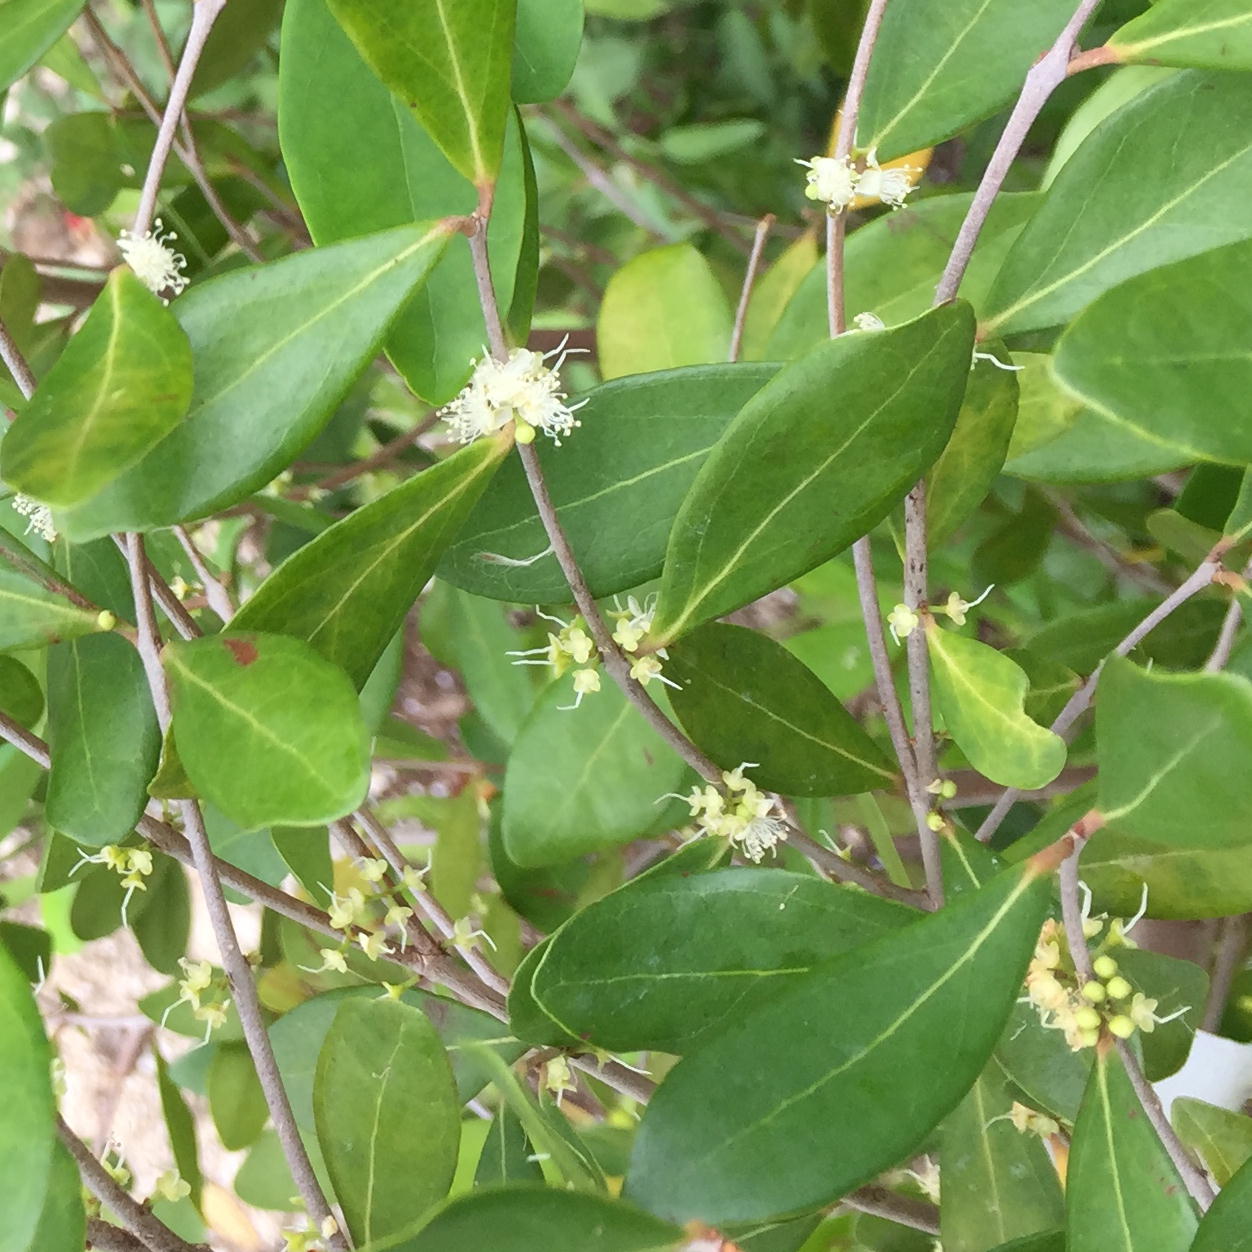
(948, 790)
(1105, 967)
(1094, 991)
(1119, 988)
(1121, 1026)
(523, 432)
(1087, 1019)
(1088, 1038)
(105, 620)
(935, 821)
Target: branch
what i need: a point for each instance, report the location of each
(880, 1202)
(1232, 947)
(214, 591)
(749, 280)
(1225, 645)
(152, 1234)
(13, 359)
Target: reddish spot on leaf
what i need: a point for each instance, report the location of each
(243, 651)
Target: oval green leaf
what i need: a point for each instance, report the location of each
(276, 347)
(1221, 1139)
(346, 593)
(1207, 34)
(844, 1073)
(981, 694)
(388, 1118)
(545, 50)
(267, 730)
(449, 61)
(31, 27)
(30, 615)
(861, 419)
(670, 962)
(1225, 1227)
(743, 697)
(1160, 180)
(121, 385)
(1122, 1191)
(616, 487)
(1173, 752)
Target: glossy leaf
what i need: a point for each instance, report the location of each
(980, 693)
(616, 487)
(1221, 1139)
(359, 162)
(583, 779)
(743, 697)
(121, 385)
(449, 61)
(236, 1099)
(662, 310)
(21, 697)
(537, 1219)
(1178, 154)
(937, 68)
(549, 34)
(388, 1119)
(27, 1127)
(670, 962)
(1122, 1189)
(276, 346)
(1172, 749)
(755, 520)
(1209, 34)
(998, 1184)
(346, 593)
(102, 728)
(33, 617)
(267, 730)
(1181, 380)
(872, 1065)
(63, 1223)
(31, 27)
(1225, 1227)
(508, 1155)
(181, 1126)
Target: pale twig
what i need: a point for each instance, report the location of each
(850, 871)
(103, 1236)
(1072, 917)
(1045, 76)
(203, 14)
(378, 459)
(1080, 701)
(1220, 656)
(749, 281)
(214, 591)
(152, 1233)
(1232, 947)
(12, 357)
(903, 1210)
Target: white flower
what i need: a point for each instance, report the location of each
(868, 321)
(902, 621)
(586, 682)
(39, 517)
(156, 265)
(889, 186)
(523, 390)
(832, 180)
(741, 813)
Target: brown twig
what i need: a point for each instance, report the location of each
(1232, 948)
(880, 1202)
(214, 591)
(749, 281)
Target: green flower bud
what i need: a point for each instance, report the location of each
(1094, 991)
(1121, 1026)
(1119, 988)
(1105, 967)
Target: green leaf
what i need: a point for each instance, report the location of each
(662, 310)
(549, 34)
(449, 61)
(1039, 1062)
(32, 617)
(743, 697)
(239, 34)
(670, 962)
(894, 262)
(30, 27)
(102, 728)
(1122, 1189)
(347, 593)
(27, 1127)
(1221, 1139)
(267, 730)
(616, 488)
(1208, 34)
(360, 162)
(121, 385)
(276, 347)
(1179, 987)
(981, 693)
(163, 926)
(998, 1184)
(843, 1074)
(1172, 752)
(63, 1223)
(1225, 1227)
(936, 69)
(508, 1155)
(236, 1099)
(755, 520)
(1179, 380)
(524, 1218)
(583, 779)
(1158, 182)
(21, 696)
(388, 1119)
(181, 1126)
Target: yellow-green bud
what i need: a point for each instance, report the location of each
(105, 620)
(1087, 1019)
(1119, 988)
(1094, 991)
(1121, 1026)
(1104, 966)
(523, 432)
(935, 822)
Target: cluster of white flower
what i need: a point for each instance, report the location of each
(837, 181)
(902, 621)
(198, 978)
(569, 645)
(38, 517)
(154, 262)
(523, 390)
(632, 626)
(132, 865)
(742, 813)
